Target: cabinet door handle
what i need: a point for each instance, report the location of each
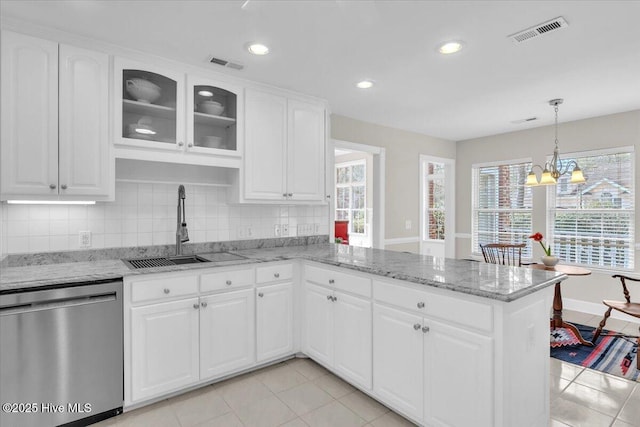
(329, 298)
(190, 145)
(260, 294)
(331, 281)
(335, 299)
(276, 275)
(180, 144)
(417, 326)
(228, 282)
(290, 194)
(284, 194)
(167, 290)
(63, 186)
(196, 306)
(52, 186)
(203, 304)
(425, 329)
(420, 304)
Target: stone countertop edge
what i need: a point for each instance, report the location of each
(413, 268)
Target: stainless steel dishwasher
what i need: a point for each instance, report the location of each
(61, 355)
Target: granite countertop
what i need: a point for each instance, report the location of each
(497, 282)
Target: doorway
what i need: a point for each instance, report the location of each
(358, 197)
(437, 206)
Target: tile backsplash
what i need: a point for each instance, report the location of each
(145, 214)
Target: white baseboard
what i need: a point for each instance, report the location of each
(595, 309)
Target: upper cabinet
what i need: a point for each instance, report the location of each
(284, 158)
(54, 143)
(165, 115)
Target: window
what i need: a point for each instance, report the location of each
(592, 224)
(434, 203)
(351, 194)
(501, 205)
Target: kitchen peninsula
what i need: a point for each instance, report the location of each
(425, 336)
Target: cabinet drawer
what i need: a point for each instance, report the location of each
(163, 288)
(459, 310)
(339, 280)
(274, 273)
(226, 279)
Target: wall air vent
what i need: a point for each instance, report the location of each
(540, 29)
(529, 119)
(225, 63)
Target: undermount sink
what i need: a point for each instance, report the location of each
(187, 259)
(135, 264)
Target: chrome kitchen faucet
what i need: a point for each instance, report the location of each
(182, 234)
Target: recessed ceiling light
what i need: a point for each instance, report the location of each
(365, 84)
(257, 48)
(450, 47)
(205, 93)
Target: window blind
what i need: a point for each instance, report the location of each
(592, 224)
(501, 205)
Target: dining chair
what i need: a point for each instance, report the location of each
(503, 253)
(626, 307)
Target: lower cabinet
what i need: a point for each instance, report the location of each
(422, 367)
(274, 321)
(164, 347)
(337, 332)
(226, 333)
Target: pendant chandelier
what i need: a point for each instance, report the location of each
(554, 168)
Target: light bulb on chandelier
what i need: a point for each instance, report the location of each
(554, 169)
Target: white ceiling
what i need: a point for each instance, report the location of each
(323, 47)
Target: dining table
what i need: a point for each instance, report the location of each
(557, 321)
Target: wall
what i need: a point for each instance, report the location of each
(145, 214)
(402, 189)
(615, 130)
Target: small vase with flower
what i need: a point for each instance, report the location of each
(548, 259)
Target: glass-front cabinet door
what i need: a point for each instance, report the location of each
(212, 116)
(150, 112)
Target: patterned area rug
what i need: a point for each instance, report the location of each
(612, 355)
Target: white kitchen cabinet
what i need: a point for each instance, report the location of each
(398, 362)
(55, 121)
(164, 347)
(274, 321)
(226, 332)
(337, 332)
(284, 149)
(159, 116)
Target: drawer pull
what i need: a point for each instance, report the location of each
(167, 290)
(329, 298)
(52, 186)
(276, 275)
(331, 281)
(63, 186)
(260, 294)
(203, 304)
(228, 282)
(417, 326)
(335, 299)
(425, 329)
(420, 304)
(196, 306)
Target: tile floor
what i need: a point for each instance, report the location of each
(299, 393)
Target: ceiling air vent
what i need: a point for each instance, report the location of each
(530, 119)
(225, 63)
(538, 30)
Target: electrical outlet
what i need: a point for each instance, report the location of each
(316, 228)
(284, 229)
(240, 232)
(407, 224)
(276, 230)
(249, 232)
(84, 239)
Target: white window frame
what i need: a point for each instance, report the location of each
(475, 248)
(551, 206)
(350, 185)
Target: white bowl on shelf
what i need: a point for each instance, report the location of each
(212, 142)
(211, 107)
(143, 90)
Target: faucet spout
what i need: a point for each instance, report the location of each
(182, 234)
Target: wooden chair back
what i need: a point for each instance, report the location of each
(503, 253)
